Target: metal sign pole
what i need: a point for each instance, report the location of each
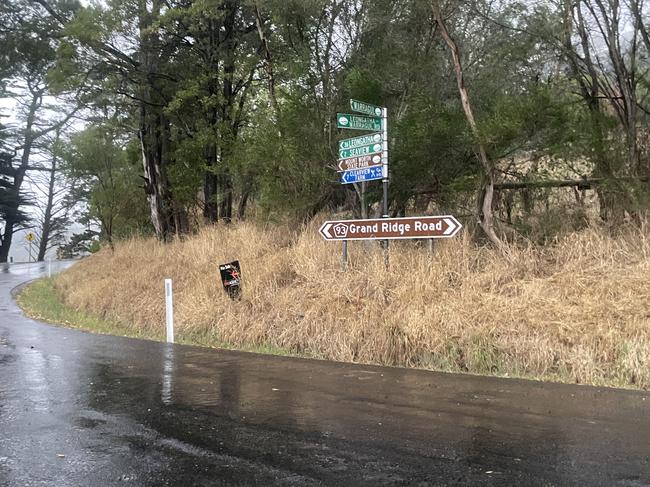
(344, 255)
(384, 128)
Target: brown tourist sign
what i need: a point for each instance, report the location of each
(391, 228)
(359, 162)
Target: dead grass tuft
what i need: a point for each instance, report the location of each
(576, 311)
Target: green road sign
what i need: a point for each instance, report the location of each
(360, 151)
(365, 108)
(359, 141)
(356, 122)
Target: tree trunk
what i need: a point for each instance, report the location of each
(486, 192)
(243, 202)
(609, 24)
(227, 128)
(19, 176)
(268, 60)
(613, 197)
(47, 219)
(225, 203)
(7, 238)
(360, 189)
(154, 128)
(155, 181)
(210, 186)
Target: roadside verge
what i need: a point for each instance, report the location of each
(40, 301)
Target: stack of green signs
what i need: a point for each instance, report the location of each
(361, 157)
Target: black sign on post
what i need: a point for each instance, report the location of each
(231, 278)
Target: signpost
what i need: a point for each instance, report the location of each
(30, 237)
(445, 226)
(360, 175)
(356, 122)
(360, 162)
(384, 154)
(365, 158)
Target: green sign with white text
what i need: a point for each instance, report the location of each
(360, 151)
(356, 122)
(366, 108)
(359, 141)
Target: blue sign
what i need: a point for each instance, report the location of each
(359, 175)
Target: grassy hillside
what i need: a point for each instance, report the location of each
(576, 311)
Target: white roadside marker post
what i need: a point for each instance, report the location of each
(169, 309)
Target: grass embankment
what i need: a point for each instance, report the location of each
(576, 311)
(41, 301)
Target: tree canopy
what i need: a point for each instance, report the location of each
(203, 111)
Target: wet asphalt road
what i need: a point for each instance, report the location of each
(78, 409)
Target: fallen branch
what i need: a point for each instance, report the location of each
(582, 184)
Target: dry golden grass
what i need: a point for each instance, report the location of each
(576, 311)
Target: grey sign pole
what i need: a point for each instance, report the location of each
(344, 255)
(384, 128)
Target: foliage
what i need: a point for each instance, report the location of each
(107, 180)
(195, 108)
(79, 244)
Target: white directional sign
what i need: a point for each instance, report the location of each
(445, 226)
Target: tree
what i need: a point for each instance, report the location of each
(52, 203)
(607, 67)
(231, 104)
(486, 193)
(221, 56)
(101, 164)
(32, 38)
(12, 203)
